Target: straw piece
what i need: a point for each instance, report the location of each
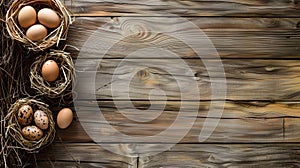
(56, 88)
(18, 33)
(13, 128)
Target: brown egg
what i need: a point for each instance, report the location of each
(32, 133)
(48, 18)
(41, 119)
(50, 70)
(64, 118)
(27, 16)
(36, 32)
(25, 115)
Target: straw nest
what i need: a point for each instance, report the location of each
(66, 74)
(18, 33)
(14, 128)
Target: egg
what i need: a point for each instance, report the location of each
(32, 133)
(37, 32)
(27, 16)
(41, 119)
(64, 118)
(50, 71)
(48, 18)
(25, 115)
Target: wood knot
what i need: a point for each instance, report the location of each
(146, 77)
(274, 23)
(143, 74)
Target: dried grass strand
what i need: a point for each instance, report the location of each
(54, 37)
(13, 128)
(52, 90)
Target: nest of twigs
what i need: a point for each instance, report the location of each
(18, 33)
(14, 128)
(66, 74)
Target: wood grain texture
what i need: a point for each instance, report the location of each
(241, 8)
(232, 109)
(250, 122)
(227, 131)
(260, 123)
(212, 155)
(82, 155)
(246, 79)
(292, 131)
(182, 155)
(232, 37)
(68, 164)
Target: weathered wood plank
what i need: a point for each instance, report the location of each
(74, 133)
(232, 37)
(246, 79)
(227, 131)
(242, 8)
(292, 131)
(251, 122)
(182, 155)
(232, 109)
(217, 155)
(205, 23)
(54, 164)
(82, 155)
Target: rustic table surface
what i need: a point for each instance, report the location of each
(259, 44)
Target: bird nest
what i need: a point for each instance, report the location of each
(14, 129)
(66, 74)
(54, 36)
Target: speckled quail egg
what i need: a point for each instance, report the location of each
(32, 133)
(41, 119)
(25, 115)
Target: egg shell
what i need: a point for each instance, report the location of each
(25, 115)
(50, 71)
(36, 32)
(32, 133)
(64, 118)
(48, 18)
(27, 16)
(41, 119)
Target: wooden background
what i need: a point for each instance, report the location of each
(259, 43)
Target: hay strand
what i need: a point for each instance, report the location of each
(53, 89)
(10, 85)
(13, 128)
(17, 33)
